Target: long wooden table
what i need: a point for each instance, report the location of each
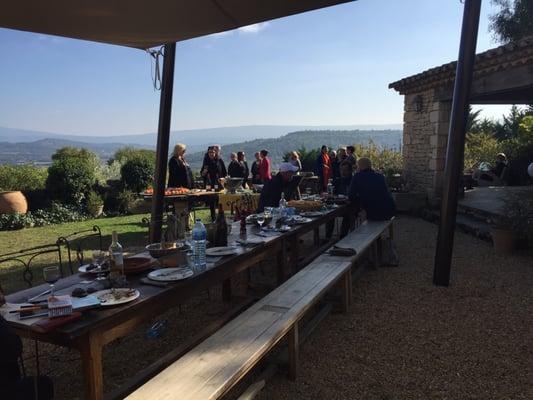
(100, 326)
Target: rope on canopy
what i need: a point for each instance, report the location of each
(155, 67)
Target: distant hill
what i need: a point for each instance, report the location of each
(23, 146)
(41, 151)
(310, 139)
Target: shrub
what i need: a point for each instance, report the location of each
(480, 147)
(137, 174)
(22, 177)
(71, 175)
(125, 154)
(387, 161)
(125, 201)
(56, 214)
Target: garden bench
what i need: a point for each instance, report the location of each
(213, 367)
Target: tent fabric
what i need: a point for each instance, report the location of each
(142, 23)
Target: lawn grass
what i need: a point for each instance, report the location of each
(132, 234)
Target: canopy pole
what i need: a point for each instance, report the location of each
(456, 141)
(163, 137)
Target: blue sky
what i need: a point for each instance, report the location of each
(326, 67)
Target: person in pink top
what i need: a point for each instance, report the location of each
(264, 168)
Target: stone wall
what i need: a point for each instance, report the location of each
(425, 134)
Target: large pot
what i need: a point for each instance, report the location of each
(503, 240)
(13, 203)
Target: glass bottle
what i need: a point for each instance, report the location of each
(221, 233)
(116, 255)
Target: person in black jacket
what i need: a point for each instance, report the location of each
(13, 385)
(211, 170)
(280, 183)
(246, 171)
(235, 170)
(370, 190)
(256, 175)
(179, 172)
(220, 161)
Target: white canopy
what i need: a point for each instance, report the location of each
(145, 23)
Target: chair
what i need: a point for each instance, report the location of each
(25, 257)
(78, 242)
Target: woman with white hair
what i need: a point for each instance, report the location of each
(179, 171)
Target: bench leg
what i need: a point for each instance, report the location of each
(294, 349)
(346, 291)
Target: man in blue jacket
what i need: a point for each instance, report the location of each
(370, 189)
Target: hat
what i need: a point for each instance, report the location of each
(287, 167)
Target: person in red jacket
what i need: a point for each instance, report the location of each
(264, 168)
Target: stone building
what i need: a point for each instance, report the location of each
(503, 75)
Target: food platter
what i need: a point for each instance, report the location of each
(221, 251)
(114, 297)
(170, 274)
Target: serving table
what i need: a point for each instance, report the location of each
(100, 326)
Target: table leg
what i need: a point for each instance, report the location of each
(91, 359)
(212, 208)
(294, 258)
(226, 290)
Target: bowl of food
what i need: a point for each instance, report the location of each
(232, 184)
(157, 250)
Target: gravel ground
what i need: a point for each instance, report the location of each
(407, 339)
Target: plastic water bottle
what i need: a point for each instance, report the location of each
(330, 187)
(157, 329)
(199, 236)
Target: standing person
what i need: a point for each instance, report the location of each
(369, 188)
(295, 160)
(350, 157)
(256, 175)
(220, 161)
(211, 171)
(179, 171)
(335, 166)
(234, 168)
(341, 154)
(246, 171)
(264, 167)
(323, 168)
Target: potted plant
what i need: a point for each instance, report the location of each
(95, 204)
(514, 221)
(12, 201)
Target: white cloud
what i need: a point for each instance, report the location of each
(255, 28)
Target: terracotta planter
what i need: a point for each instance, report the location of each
(96, 211)
(13, 203)
(503, 240)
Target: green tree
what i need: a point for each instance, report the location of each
(72, 175)
(137, 174)
(513, 21)
(480, 147)
(127, 153)
(509, 128)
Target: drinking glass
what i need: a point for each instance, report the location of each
(268, 215)
(98, 260)
(260, 219)
(51, 275)
(308, 192)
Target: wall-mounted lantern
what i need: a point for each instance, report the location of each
(418, 102)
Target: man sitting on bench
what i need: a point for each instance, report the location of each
(370, 189)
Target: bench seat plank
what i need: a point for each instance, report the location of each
(211, 368)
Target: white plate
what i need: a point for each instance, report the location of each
(170, 274)
(107, 298)
(83, 269)
(300, 220)
(221, 251)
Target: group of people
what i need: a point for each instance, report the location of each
(336, 165)
(213, 168)
(366, 187)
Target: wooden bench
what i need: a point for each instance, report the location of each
(213, 367)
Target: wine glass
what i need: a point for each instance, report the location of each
(260, 219)
(98, 260)
(268, 215)
(51, 275)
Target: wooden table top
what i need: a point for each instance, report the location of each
(158, 298)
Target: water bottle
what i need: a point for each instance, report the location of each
(330, 187)
(157, 329)
(199, 236)
(282, 206)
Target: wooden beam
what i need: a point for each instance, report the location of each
(456, 141)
